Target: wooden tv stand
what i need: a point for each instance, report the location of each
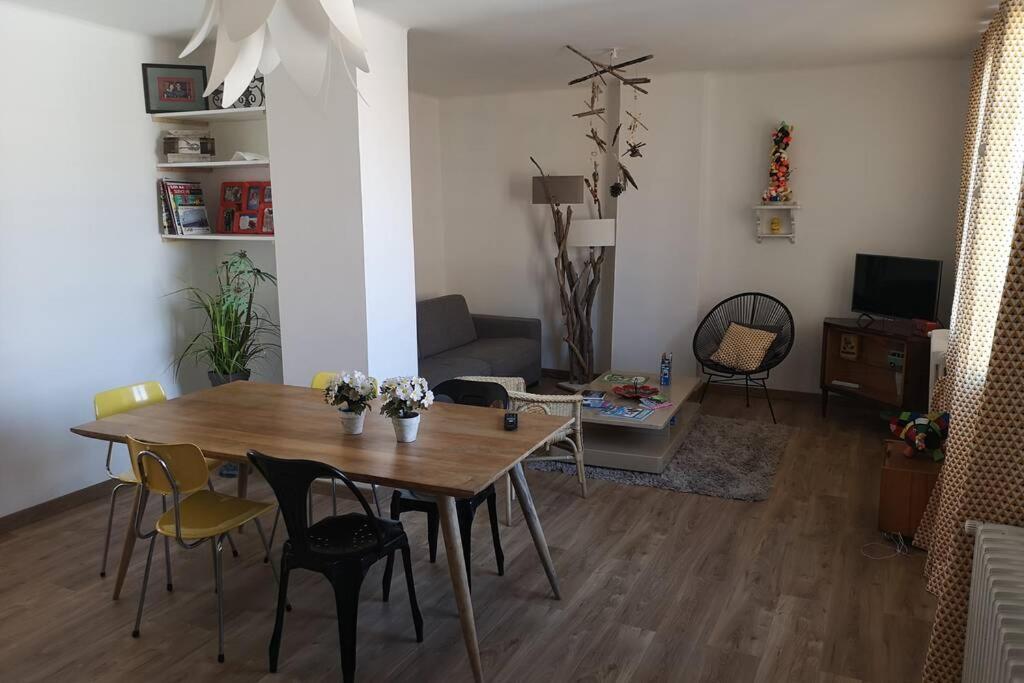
(884, 361)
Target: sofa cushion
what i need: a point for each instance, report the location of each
(443, 323)
(506, 357)
(437, 369)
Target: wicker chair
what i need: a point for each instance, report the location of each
(751, 309)
(570, 437)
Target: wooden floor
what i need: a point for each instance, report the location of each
(656, 586)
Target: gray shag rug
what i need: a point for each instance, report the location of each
(719, 457)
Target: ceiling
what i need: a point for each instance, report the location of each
(478, 46)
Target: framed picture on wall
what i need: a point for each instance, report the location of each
(173, 87)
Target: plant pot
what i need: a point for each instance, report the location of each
(351, 423)
(406, 428)
(216, 379)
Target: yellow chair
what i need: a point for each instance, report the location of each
(321, 380)
(198, 514)
(121, 400)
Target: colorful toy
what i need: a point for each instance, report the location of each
(778, 172)
(922, 432)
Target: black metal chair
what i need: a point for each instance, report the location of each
(464, 392)
(750, 309)
(342, 548)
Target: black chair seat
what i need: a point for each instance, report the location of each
(351, 535)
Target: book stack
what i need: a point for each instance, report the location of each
(182, 208)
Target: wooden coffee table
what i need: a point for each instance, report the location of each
(641, 445)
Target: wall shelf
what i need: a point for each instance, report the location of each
(761, 231)
(212, 165)
(213, 115)
(217, 237)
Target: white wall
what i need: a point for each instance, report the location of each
(428, 209)
(83, 277)
(656, 260)
(876, 164)
(317, 203)
(386, 179)
(341, 174)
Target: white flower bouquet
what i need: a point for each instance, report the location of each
(351, 391)
(404, 397)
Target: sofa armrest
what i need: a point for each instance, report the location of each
(499, 326)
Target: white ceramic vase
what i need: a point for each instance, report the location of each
(351, 423)
(406, 428)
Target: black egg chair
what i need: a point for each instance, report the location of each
(750, 309)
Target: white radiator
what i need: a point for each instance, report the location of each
(994, 651)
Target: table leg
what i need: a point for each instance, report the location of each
(129, 545)
(457, 569)
(533, 521)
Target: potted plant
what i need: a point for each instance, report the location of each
(404, 397)
(236, 331)
(351, 392)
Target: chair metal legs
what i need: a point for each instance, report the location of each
(282, 600)
(492, 512)
(167, 550)
(231, 542)
(110, 524)
(346, 598)
(747, 381)
(410, 585)
(704, 391)
(218, 569)
(768, 398)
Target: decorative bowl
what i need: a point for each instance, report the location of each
(635, 392)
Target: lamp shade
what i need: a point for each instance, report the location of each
(565, 189)
(592, 233)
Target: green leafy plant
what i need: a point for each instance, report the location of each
(236, 331)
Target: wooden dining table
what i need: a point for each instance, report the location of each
(460, 451)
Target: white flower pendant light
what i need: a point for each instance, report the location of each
(263, 34)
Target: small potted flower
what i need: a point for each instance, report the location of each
(404, 397)
(351, 392)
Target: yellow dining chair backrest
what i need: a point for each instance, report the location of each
(322, 379)
(184, 460)
(114, 401)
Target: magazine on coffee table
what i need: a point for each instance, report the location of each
(628, 413)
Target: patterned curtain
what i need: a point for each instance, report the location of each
(983, 477)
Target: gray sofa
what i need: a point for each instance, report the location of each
(453, 343)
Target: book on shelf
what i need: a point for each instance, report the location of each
(166, 222)
(187, 207)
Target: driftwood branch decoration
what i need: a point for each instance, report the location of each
(578, 282)
(576, 290)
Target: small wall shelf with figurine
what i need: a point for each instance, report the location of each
(774, 221)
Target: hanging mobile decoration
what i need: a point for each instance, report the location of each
(635, 126)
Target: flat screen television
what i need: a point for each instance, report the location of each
(897, 287)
